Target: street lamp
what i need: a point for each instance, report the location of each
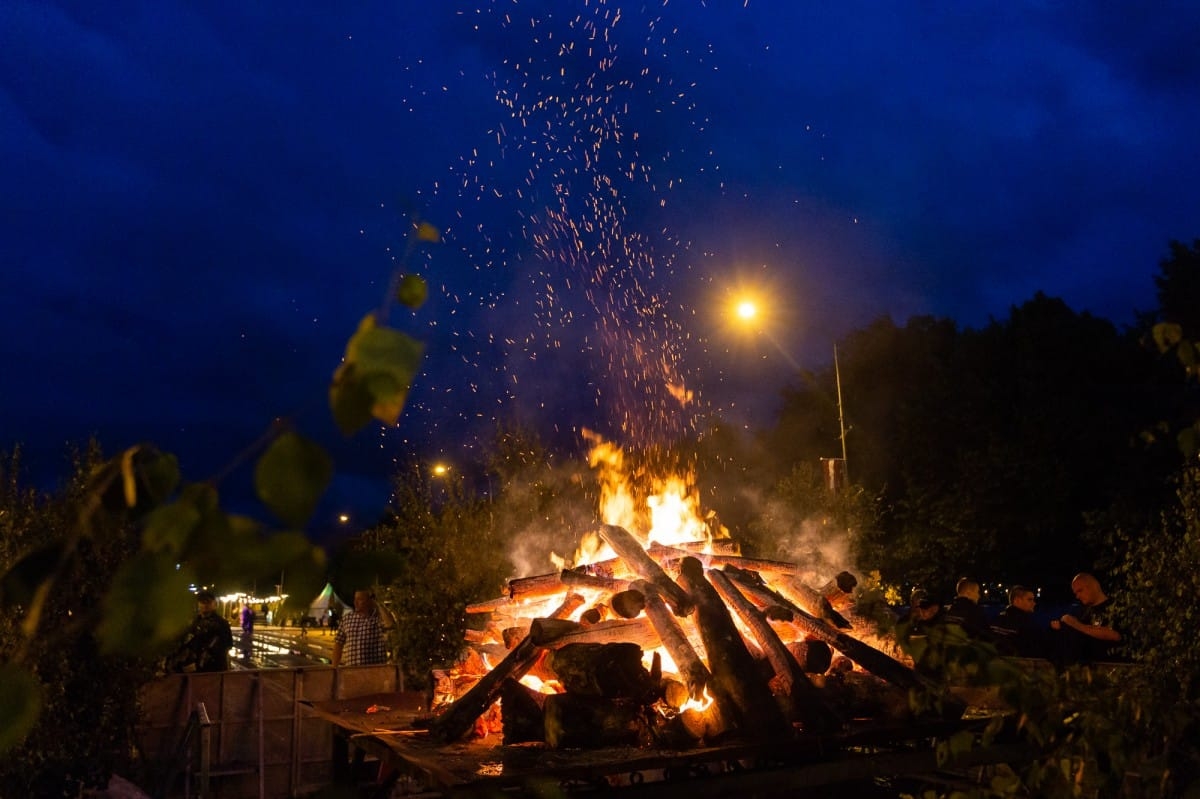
(749, 311)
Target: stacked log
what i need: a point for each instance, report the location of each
(732, 639)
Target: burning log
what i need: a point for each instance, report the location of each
(814, 657)
(629, 604)
(557, 633)
(742, 700)
(630, 550)
(605, 670)
(715, 546)
(575, 579)
(802, 701)
(540, 586)
(460, 717)
(675, 554)
(871, 659)
(692, 671)
(523, 718)
(840, 589)
(570, 604)
(813, 602)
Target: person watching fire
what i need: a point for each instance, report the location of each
(361, 635)
(1088, 636)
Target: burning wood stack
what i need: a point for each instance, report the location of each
(668, 646)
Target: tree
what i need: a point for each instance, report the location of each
(437, 552)
(81, 734)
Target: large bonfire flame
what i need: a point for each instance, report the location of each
(665, 511)
(659, 584)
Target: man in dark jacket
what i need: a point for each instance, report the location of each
(966, 613)
(1015, 629)
(205, 646)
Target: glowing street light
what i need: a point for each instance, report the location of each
(748, 313)
(440, 470)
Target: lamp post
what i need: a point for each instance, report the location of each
(747, 311)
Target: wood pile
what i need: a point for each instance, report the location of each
(739, 649)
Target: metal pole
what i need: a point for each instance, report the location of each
(837, 373)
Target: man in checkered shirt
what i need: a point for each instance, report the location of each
(360, 639)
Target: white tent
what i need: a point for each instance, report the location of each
(326, 599)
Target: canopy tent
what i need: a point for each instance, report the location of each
(325, 600)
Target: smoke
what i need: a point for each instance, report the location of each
(818, 545)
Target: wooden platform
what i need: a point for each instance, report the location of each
(382, 725)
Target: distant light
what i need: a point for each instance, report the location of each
(747, 309)
(343, 517)
(440, 470)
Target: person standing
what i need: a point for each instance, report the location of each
(247, 619)
(1015, 629)
(360, 639)
(205, 646)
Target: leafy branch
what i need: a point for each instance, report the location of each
(183, 536)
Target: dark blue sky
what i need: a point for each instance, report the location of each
(202, 200)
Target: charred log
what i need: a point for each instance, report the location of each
(745, 703)
(460, 717)
(574, 721)
(871, 659)
(692, 671)
(814, 657)
(523, 717)
(799, 698)
(628, 604)
(605, 670)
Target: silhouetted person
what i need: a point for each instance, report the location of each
(966, 613)
(205, 646)
(1088, 635)
(1016, 631)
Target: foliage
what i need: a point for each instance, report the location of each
(446, 554)
(1089, 730)
(984, 449)
(95, 581)
(61, 732)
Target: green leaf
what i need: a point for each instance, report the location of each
(20, 704)
(349, 400)
(1167, 335)
(427, 232)
(291, 476)
(158, 474)
(1186, 353)
(413, 291)
(169, 527)
(376, 373)
(304, 566)
(961, 743)
(21, 581)
(148, 605)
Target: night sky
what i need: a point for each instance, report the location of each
(201, 201)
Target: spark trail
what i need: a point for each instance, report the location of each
(578, 162)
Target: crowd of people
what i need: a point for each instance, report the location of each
(360, 636)
(1086, 635)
